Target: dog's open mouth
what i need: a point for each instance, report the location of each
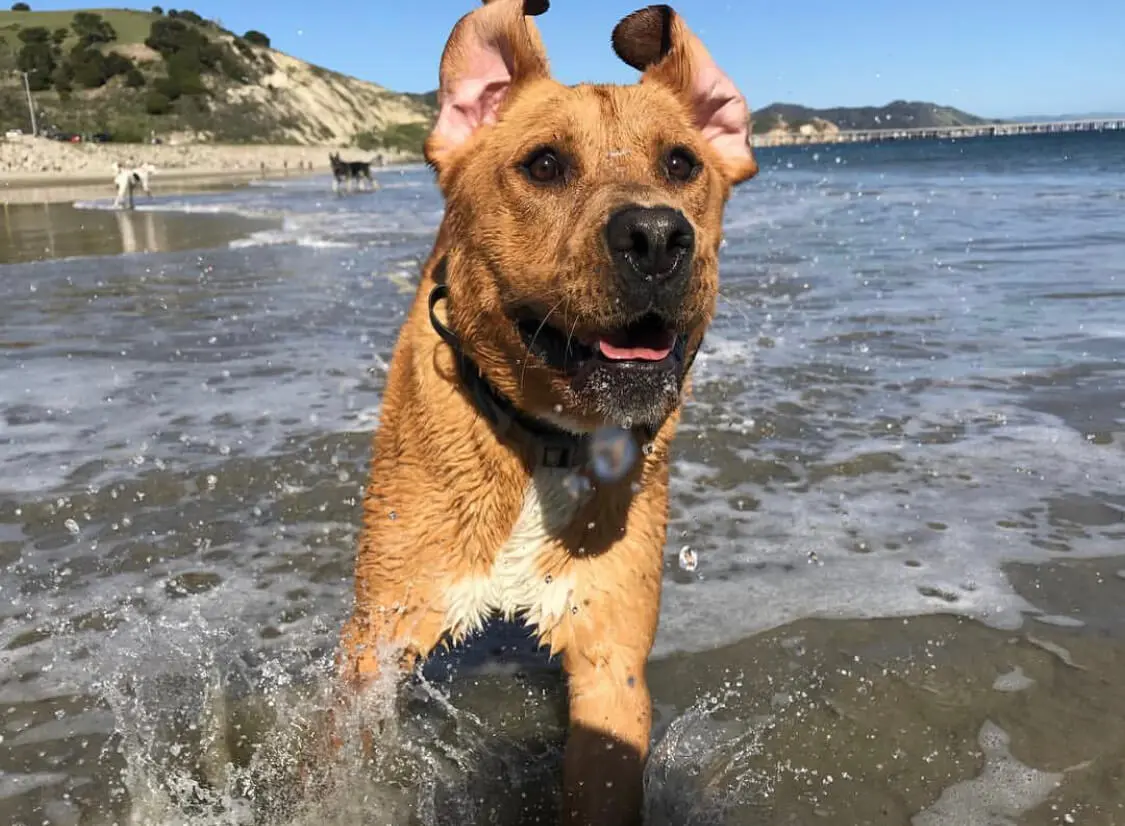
(647, 341)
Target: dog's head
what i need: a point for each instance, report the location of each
(584, 222)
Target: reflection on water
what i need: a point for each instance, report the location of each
(51, 230)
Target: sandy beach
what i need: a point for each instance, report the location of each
(37, 170)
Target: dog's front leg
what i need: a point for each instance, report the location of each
(402, 629)
(607, 742)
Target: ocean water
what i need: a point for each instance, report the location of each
(915, 385)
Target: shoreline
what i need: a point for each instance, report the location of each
(55, 188)
(37, 170)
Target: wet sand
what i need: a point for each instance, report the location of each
(893, 721)
(913, 722)
(48, 230)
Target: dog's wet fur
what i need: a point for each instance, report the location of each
(579, 251)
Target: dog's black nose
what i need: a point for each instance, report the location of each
(650, 243)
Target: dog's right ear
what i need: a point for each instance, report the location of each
(489, 53)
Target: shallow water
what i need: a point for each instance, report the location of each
(900, 475)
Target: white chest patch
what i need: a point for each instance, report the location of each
(516, 586)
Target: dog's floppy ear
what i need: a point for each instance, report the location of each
(655, 40)
(490, 51)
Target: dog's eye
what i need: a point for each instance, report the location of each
(544, 166)
(680, 164)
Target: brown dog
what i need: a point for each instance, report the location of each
(572, 281)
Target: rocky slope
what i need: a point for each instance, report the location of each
(134, 75)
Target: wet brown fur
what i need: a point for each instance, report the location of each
(445, 491)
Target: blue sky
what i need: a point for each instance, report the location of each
(990, 57)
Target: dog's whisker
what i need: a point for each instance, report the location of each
(570, 334)
(538, 330)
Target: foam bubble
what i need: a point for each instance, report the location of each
(1004, 790)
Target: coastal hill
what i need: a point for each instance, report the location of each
(127, 75)
(781, 121)
(899, 114)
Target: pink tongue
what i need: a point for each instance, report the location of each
(656, 348)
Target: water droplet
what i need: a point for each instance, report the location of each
(613, 453)
(72, 526)
(392, 516)
(689, 559)
(548, 579)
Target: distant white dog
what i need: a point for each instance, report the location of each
(127, 179)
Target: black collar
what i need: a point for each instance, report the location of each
(555, 447)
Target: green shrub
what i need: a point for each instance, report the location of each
(34, 34)
(183, 69)
(62, 79)
(129, 131)
(117, 64)
(257, 38)
(59, 36)
(187, 15)
(157, 103)
(233, 67)
(173, 38)
(88, 67)
(20, 7)
(168, 87)
(367, 141)
(134, 79)
(38, 60)
(92, 28)
(402, 137)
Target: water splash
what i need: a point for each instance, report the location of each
(209, 733)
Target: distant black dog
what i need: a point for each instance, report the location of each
(351, 172)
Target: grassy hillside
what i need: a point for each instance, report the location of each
(132, 74)
(131, 26)
(899, 114)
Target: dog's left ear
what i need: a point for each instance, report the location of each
(489, 53)
(655, 40)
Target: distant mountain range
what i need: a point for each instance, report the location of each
(898, 114)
